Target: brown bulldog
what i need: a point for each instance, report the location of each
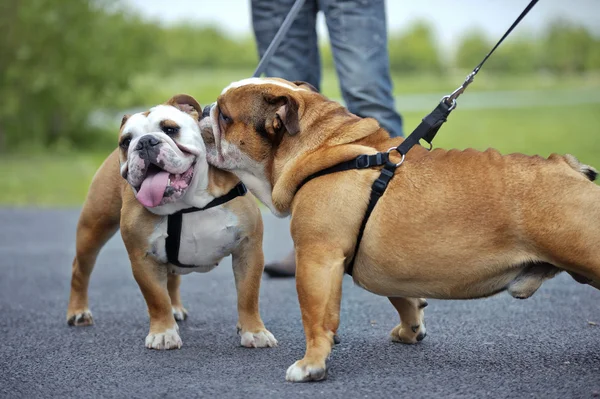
(160, 168)
(451, 225)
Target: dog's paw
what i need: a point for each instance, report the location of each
(179, 313)
(303, 372)
(80, 319)
(166, 340)
(408, 334)
(260, 339)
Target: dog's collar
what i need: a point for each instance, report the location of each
(174, 221)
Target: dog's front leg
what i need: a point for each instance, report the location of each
(152, 279)
(248, 265)
(319, 274)
(412, 320)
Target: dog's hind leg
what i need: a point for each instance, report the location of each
(99, 220)
(412, 320)
(179, 312)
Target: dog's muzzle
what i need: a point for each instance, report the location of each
(147, 147)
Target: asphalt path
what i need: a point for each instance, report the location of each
(547, 346)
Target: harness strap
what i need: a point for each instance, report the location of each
(377, 190)
(361, 162)
(174, 221)
(428, 127)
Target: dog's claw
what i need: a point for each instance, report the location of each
(81, 319)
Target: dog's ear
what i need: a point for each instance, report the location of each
(125, 117)
(286, 113)
(306, 85)
(187, 104)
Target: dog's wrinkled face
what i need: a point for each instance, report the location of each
(247, 124)
(159, 150)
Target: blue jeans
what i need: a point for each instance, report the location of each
(358, 34)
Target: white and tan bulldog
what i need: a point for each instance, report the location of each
(451, 225)
(159, 168)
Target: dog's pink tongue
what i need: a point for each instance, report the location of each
(153, 188)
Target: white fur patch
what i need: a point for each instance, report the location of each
(259, 81)
(297, 373)
(258, 184)
(167, 340)
(206, 238)
(179, 314)
(261, 339)
(81, 319)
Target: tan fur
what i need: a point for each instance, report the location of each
(111, 205)
(451, 225)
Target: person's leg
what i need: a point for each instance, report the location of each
(358, 35)
(297, 57)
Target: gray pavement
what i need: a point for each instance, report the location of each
(547, 346)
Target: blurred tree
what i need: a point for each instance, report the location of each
(414, 50)
(59, 60)
(519, 56)
(471, 49)
(592, 62)
(189, 46)
(568, 48)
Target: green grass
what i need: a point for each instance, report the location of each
(47, 180)
(205, 85)
(63, 179)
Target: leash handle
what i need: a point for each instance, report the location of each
(285, 26)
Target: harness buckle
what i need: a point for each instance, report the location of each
(383, 180)
(362, 161)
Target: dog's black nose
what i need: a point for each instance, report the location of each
(206, 110)
(147, 141)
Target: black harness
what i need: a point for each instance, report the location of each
(426, 130)
(174, 221)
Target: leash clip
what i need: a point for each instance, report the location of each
(451, 98)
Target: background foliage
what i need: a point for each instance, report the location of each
(60, 60)
(69, 70)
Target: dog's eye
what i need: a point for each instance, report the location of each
(170, 130)
(125, 143)
(225, 118)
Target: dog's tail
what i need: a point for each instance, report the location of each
(586, 170)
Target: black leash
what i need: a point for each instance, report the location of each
(430, 125)
(285, 26)
(426, 130)
(173, 240)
